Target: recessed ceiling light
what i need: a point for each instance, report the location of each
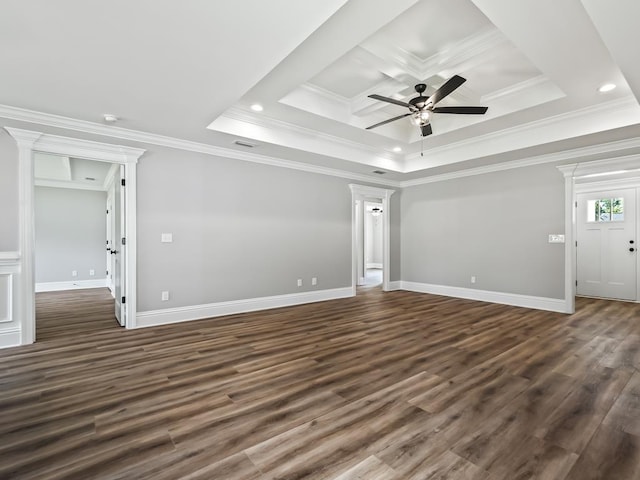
(108, 117)
(256, 107)
(607, 87)
(397, 149)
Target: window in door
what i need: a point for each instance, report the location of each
(605, 210)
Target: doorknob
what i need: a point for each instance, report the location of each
(113, 252)
(632, 249)
(631, 241)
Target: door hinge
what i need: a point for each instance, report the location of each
(107, 273)
(576, 204)
(124, 241)
(576, 283)
(576, 243)
(124, 299)
(122, 182)
(107, 212)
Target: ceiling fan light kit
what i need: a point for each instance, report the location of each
(422, 107)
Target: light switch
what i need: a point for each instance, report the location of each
(556, 238)
(166, 237)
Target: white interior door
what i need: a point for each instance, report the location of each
(110, 241)
(118, 249)
(606, 244)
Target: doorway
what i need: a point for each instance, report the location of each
(373, 242)
(29, 142)
(363, 198)
(606, 244)
(75, 215)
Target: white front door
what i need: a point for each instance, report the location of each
(607, 244)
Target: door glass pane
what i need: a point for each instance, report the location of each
(617, 209)
(605, 210)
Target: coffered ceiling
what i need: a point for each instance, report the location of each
(192, 70)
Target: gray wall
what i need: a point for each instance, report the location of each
(8, 193)
(494, 226)
(240, 230)
(70, 227)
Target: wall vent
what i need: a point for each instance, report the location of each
(243, 143)
(379, 172)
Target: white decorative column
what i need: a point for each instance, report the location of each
(570, 238)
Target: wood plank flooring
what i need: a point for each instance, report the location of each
(383, 386)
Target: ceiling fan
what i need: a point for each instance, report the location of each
(421, 107)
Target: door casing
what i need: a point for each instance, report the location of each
(30, 141)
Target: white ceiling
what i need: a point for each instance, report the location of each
(175, 68)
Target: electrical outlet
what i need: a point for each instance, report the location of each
(165, 296)
(299, 282)
(314, 281)
(473, 279)
(74, 273)
(166, 237)
(92, 272)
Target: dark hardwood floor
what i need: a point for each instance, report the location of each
(383, 386)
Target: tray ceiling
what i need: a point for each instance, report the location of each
(191, 71)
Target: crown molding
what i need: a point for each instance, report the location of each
(469, 48)
(515, 89)
(54, 141)
(581, 152)
(592, 110)
(30, 116)
(265, 121)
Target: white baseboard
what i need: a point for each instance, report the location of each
(513, 299)
(77, 285)
(196, 312)
(373, 265)
(9, 337)
(397, 285)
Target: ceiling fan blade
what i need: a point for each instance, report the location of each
(388, 121)
(390, 100)
(426, 130)
(465, 110)
(448, 87)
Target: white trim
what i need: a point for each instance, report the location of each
(373, 265)
(10, 337)
(9, 257)
(513, 299)
(595, 110)
(395, 285)
(363, 192)
(196, 312)
(73, 285)
(41, 182)
(596, 166)
(58, 121)
(583, 172)
(30, 142)
(617, 184)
